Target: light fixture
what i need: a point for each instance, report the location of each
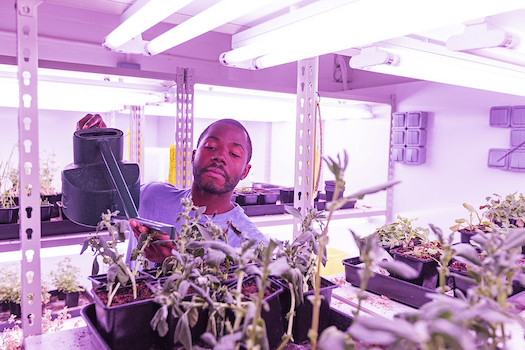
(372, 56)
(479, 36)
(144, 14)
(488, 41)
(141, 16)
(350, 25)
(431, 62)
(214, 16)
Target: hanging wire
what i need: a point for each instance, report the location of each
(320, 157)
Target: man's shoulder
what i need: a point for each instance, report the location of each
(158, 188)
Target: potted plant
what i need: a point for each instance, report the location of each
(475, 321)
(399, 232)
(424, 258)
(295, 264)
(65, 277)
(467, 227)
(8, 191)
(124, 300)
(508, 211)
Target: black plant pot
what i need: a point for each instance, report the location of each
(53, 199)
(98, 281)
(15, 309)
(405, 292)
(72, 299)
(8, 215)
(303, 313)
(125, 326)
(426, 268)
(268, 197)
(273, 315)
(168, 341)
(45, 212)
(61, 295)
(4, 306)
(286, 195)
(247, 198)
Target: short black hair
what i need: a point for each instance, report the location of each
(236, 124)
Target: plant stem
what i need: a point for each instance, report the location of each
(238, 299)
(312, 334)
(112, 293)
(289, 316)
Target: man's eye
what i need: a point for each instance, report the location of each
(209, 147)
(235, 155)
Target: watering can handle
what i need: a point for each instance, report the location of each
(125, 195)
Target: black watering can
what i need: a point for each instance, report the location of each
(99, 180)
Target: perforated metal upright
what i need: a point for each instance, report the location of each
(136, 137)
(307, 84)
(184, 127)
(30, 224)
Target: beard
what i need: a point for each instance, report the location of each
(210, 185)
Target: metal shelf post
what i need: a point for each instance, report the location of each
(184, 127)
(29, 174)
(307, 86)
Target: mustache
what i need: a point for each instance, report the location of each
(220, 167)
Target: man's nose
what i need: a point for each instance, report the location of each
(219, 155)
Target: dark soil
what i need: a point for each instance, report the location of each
(459, 266)
(125, 294)
(406, 252)
(249, 288)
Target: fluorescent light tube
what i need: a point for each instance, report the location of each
(352, 25)
(141, 16)
(372, 56)
(440, 65)
(209, 19)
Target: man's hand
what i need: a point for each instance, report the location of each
(154, 252)
(91, 121)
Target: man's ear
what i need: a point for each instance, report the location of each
(193, 155)
(246, 171)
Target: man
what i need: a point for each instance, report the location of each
(221, 160)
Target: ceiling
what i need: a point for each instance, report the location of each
(95, 19)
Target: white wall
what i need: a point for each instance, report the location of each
(459, 137)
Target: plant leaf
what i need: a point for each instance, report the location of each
(183, 332)
(467, 254)
(399, 268)
(374, 189)
(95, 268)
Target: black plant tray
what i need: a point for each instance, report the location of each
(54, 305)
(337, 318)
(321, 205)
(394, 288)
(263, 209)
(49, 228)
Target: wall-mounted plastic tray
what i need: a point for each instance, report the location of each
(517, 161)
(398, 137)
(398, 154)
(517, 117)
(416, 137)
(415, 155)
(495, 160)
(394, 288)
(517, 137)
(417, 120)
(399, 120)
(500, 116)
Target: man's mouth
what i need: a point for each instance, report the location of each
(216, 170)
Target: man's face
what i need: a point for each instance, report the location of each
(219, 162)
